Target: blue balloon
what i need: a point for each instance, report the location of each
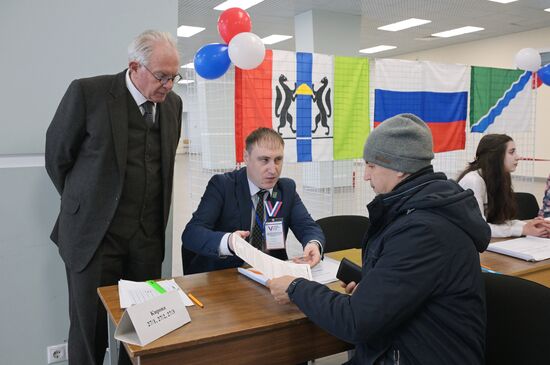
(544, 74)
(212, 60)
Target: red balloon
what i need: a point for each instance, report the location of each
(232, 22)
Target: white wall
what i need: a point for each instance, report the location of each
(500, 52)
(46, 44)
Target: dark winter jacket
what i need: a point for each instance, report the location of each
(421, 297)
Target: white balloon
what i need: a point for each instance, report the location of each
(528, 59)
(246, 50)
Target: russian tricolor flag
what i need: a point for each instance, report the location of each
(437, 93)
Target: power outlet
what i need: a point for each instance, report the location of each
(57, 353)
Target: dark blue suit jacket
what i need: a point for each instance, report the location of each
(226, 206)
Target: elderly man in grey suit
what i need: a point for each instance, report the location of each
(110, 152)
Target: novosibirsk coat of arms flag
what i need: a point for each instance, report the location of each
(294, 93)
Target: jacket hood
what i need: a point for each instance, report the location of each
(434, 192)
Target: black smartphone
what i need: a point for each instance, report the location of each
(348, 271)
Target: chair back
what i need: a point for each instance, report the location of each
(344, 231)
(527, 206)
(518, 321)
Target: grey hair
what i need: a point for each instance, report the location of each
(142, 46)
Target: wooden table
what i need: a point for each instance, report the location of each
(240, 324)
(534, 271)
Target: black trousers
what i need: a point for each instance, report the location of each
(138, 258)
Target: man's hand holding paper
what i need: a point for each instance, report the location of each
(312, 255)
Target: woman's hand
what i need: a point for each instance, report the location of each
(537, 227)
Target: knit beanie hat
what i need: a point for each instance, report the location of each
(400, 143)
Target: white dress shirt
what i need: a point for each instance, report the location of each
(138, 97)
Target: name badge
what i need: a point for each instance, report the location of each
(274, 237)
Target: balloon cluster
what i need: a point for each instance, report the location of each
(528, 59)
(245, 49)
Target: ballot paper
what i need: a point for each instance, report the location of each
(136, 292)
(323, 273)
(269, 266)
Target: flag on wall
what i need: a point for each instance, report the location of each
(351, 106)
(294, 93)
(501, 100)
(437, 93)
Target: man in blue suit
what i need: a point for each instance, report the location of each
(229, 207)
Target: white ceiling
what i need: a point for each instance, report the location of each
(277, 17)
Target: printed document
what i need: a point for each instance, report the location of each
(269, 266)
(323, 273)
(528, 248)
(136, 292)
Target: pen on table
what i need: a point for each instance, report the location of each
(195, 300)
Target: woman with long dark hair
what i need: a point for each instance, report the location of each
(488, 176)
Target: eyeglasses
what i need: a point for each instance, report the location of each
(164, 79)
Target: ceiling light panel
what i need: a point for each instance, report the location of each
(243, 4)
(188, 31)
(275, 38)
(503, 1)
(457, 31)
(380, 48)
(404, 24)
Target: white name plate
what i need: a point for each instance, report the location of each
(145, 322)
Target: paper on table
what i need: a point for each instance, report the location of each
(136, 292)
(527, 248)
(323, 273)
(270, 266)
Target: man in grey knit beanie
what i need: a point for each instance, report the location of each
(398, 147)
(421, 298)
(401, 143)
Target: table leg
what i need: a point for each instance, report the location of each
(113, 349)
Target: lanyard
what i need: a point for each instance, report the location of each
(271, 211)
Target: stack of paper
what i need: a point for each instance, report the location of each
(324, 272)
(270, 267)
(527, 248)
(136, 292)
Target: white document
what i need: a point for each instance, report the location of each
(270, 267)
(136, 292)
(323, 273)
(527, 248)
(143, 323)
